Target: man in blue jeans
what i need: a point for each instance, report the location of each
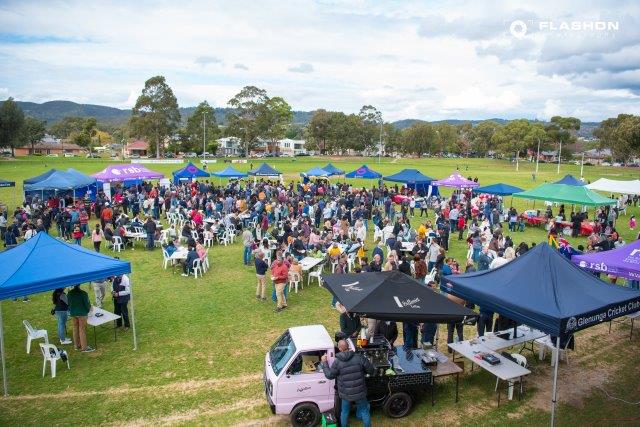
(349, 369)
(247, 241)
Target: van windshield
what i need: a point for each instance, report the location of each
(281, 351)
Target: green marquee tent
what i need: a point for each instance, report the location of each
(563, 193)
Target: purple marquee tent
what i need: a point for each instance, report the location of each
(126, 172)
(621, 262)
(455, 180)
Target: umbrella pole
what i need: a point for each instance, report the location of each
(4, 369)
(555, 383)
(133, 318)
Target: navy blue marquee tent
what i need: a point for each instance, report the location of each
(570, 180)
(315, 171)
(364, 172)
(229, 172)
(499, 189)
(40, 177)
(189, 172)
(546, 291)
(264, 170)
(416, 180)
(57, 180)
(44, 263)
(333, 170)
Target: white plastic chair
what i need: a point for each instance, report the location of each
(197, 267)
(544, 343)
(34, 334)
(377, 233)
(334, 265)
(317, 273)
(351, 262)
(294, 280)
(194, 235)
(205, 261)
(117, 244)
(522, 361)
(431, 277)
(51, 354)
(166, 259)
(208, 238)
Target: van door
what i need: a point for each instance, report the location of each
(304, 381)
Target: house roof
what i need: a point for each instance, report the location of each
(138, 144)
(50, 146)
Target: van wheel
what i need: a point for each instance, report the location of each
(305, 415)
(398, 405)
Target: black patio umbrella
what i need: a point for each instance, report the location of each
(392, 295)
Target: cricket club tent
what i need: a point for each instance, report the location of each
(615, 186)
(229, 172)
(188, 173)
(415, 180)
(315, 172)
(44, 263)
(57, 180)
(498, 189)
(620, 262)
(544, 290)
(264, 171)
(392, 295)
(570, 180)
(363, 172)
(333, 170)
(563, 193)
(455, 180)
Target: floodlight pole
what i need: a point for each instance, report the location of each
(380, 144)
(582, 166)
(204, 137)
(538, 156)
(559, 156)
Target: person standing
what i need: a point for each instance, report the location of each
(96, 237)
(261, 270)
(279, 275)
(61, 311)
(247, 241)
(79, 307)
(99, 291)
(150, 227)
(121, 295)
(349, 369)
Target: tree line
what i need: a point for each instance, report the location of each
(254, 117)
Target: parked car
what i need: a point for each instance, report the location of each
(190, 155)
(69, 155)
(52, 155)
(169, 156)
(135, 156)
(605, 164)
(93, 156)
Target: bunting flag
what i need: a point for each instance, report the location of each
(553, 242)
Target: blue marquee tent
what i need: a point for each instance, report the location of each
(364, 172)
(570, 180)
(544, 290)
(229, 172)
(499, 189)
(57, 180)
(189, 172)
(40, 177)
(416, 180)
(315, 171)
(264, 170)
(333, 170)
(44, 263)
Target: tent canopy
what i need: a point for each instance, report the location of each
(229, 172)
(570, 180)
(333, 170)
(60, 180)
(4, 183)
(409, 176)
(563, 193)
(455, 180)
(264, 170)
(545, 290)
(364, 172)
(40, 177)
(615, 186)
(392, 295)
(126, 172)
(621, 262)
(315, 171)
(81, 179)
(190, 171)
(499, 189)
(43, 263)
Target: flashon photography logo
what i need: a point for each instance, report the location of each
(519, 28)
(571, 324)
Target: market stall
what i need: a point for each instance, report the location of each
(188, 173)
(363, 172)
(455, 180)
(415, 180)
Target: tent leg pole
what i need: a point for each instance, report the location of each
(4, 369)
(554, 394)
(133, 319)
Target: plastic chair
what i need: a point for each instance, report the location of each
(208, 238)
(545, 342)
(520, 360)
(197, 267)
(317, 273)
(117, 244)
(294, 280)
(334, 265)
(194, 235)
(205, 261)
(377, 233)
(351, 262)
(34, 334)
(166, 259)
(51, 354)
(431, 277)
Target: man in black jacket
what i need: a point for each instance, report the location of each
(150, 228)
(349, 369)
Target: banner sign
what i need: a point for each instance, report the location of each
(158, 161)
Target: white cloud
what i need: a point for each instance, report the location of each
(303, 68)
(552, 107)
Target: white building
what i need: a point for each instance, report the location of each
(229, 146)
(291, 147)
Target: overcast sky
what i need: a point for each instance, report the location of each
(426, 60)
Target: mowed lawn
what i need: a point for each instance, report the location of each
(202, 342)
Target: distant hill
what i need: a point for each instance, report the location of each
(54, 111)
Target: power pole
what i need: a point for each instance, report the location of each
(204, 136)
(559, 156)
(538, 156)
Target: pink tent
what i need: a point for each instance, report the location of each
(126, 172)
(455, 180)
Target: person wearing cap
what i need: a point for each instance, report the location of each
(106, 215)
(349, 323)
(279, 275)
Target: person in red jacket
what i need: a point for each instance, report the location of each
(461, 224)
(279, 275)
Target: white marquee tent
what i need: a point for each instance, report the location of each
(614, 186)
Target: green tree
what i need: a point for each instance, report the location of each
(11, 123)
(510, 138)
(621, 135)
(274, 120)
(33, 131)
(370, 128)
(244, 118)
(447, 138)
(155, 115)
(561, 130)
(65, 127)
(318, 130)
(420, 139)
(201, 124)
(480, 137)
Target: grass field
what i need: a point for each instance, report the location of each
(202, 342)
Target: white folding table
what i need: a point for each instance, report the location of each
(98, 316)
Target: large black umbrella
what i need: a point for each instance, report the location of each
(392, 295)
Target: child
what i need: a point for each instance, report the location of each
(77, 235)
(461, 224)
(632, 222)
